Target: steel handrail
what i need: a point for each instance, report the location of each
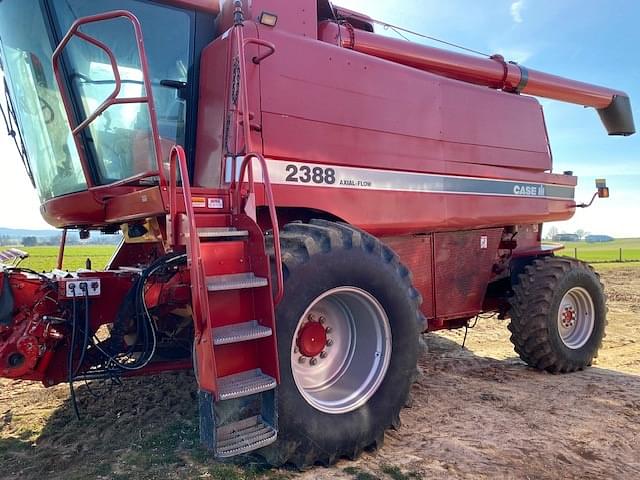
(112, 98)
(261, 43)
(273, 216)
(178, 158)
(251, 155)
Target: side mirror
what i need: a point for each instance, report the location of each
(603, 190)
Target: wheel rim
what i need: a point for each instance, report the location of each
(576, 318)
(341, 350)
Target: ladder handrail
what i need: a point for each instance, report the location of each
(273, 216)
(251, 155)
(178, 158)
(112, 99)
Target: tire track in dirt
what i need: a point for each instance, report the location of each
(475, 413)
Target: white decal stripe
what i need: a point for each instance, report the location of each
(333, 176)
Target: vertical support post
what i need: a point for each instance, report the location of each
(575, 253)
(63, 243)
(620, 255)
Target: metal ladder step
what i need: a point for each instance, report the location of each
(240, 332)
(244, 384)
(244, 436)
(213, 233)
(236, 281)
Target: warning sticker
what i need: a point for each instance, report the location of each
(199, 202)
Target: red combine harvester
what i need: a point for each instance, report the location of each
(299, 198)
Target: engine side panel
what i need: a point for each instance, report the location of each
(416, 253)
(320, 83)
(463, 268)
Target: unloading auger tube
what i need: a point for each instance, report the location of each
(613, 106)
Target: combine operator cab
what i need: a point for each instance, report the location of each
(292, 220)
(102, 104)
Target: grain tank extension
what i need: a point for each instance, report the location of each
(299, 198)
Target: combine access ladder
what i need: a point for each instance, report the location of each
(235, 350)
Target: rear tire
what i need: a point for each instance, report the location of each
(558, 315)
(356, 273)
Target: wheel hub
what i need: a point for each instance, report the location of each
(312, 339)
(341, 350)
(568, 316)
(576, 318)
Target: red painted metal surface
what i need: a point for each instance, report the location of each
(264, 300)
(416, 253)
(43, 343)
(312, 339)
(463, 268)
(494, 72)
(402, 213)
(246, 168)
(199, 297)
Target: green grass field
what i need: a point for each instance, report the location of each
(45, 258)
(604, 252)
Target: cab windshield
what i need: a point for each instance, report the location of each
(26, 58)
(119, 144)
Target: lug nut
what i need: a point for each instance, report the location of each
(313, 362)
(323, 320)
(311, 318)
(302, 360)
(324, 355)
(328, 330)
(329, 342)
(295, 350)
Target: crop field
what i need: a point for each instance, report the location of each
(625, 250)
(45, 258)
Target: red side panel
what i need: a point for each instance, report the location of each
(416, 253)
(214, 94)
(396, 213)
(463, 262)
(297, 17)
(341, 106)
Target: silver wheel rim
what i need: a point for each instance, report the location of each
(356, 353)
(576, 318)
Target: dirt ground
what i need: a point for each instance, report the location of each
(475, 413)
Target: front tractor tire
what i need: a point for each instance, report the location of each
(348, 343)
(558, 315)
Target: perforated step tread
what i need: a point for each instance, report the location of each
(244, 436)
(214, 233)
(237, 281)
(244, 384)
(241, 332)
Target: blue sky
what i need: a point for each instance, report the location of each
(589, 40)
